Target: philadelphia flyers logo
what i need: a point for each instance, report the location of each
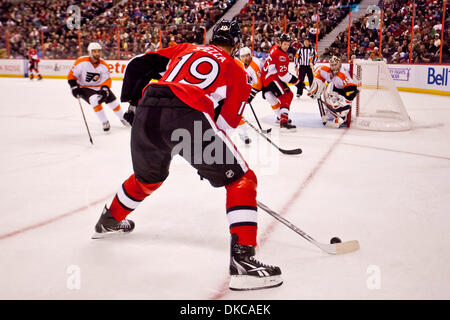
(92, 76)
(249, 79)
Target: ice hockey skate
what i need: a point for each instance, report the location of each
(125, 123)
(107, 226)
(106, 126)
(247, 273)
(287, 127)
(245, 138)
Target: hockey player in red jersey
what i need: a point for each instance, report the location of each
(33, 61)
(275, 76)
(201, 92)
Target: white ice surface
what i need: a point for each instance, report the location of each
(390, 191)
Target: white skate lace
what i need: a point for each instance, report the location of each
(260, 263)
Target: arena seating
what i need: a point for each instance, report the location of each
(396, 34)
(138, 24)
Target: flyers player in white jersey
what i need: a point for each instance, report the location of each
(200, 95)
(333, 87)
(33, 61)
(90, 79)
(275, 76)
(252, 66)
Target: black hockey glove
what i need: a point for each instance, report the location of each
(104, 92)
(76, 90)
(252, 95)
(294, 80)
(349, 92)
(129, 115)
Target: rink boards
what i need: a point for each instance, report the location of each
(432, 79)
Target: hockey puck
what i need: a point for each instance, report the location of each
(335, 240)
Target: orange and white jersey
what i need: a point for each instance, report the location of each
(253, 69)
(341, 80)
(89, 75)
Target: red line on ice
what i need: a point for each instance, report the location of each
(223, 291)
(51, 220)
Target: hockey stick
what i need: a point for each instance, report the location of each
(337, 117)
(284, 151)
(322, 111)
(84, 118)
(257, 121)
(335, 248)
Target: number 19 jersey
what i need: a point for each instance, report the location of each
(206, 78)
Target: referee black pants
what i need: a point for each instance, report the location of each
(302, 72)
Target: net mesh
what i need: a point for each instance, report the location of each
(378, 106)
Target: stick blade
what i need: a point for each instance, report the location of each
(347, 247)
(291, 151)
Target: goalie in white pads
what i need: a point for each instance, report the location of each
(334, 89)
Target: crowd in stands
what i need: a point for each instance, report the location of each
(396, 34)
(130, 26)
(139, 24)
(300, 23)
(25, 20)
(125, 28)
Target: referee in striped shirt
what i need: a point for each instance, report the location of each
(305, 58)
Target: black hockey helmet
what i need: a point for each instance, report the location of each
(285, 37)
(226, 32)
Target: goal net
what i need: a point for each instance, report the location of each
(378, 105)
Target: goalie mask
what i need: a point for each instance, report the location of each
(335, 64)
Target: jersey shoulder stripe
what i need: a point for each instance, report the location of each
(81, 59)
(255, 66)
(103, 62)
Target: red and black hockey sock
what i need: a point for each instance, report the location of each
(285, 101)
(242, 208)
(284, 115)
(129, 196)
